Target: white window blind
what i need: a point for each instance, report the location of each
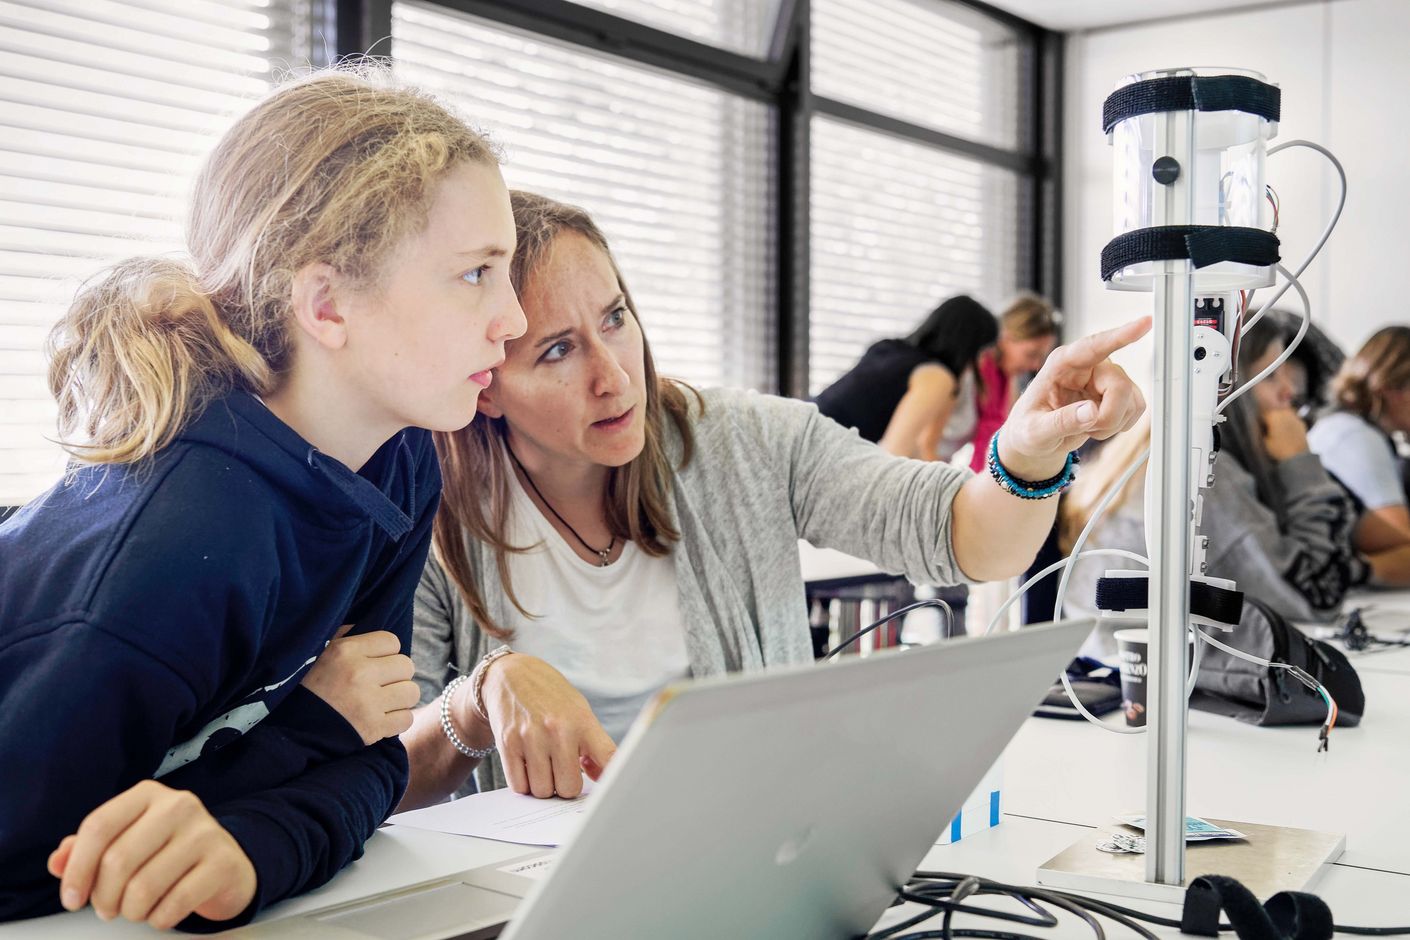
(930, 62)
(745, 26)
(896, 228)
(676, 174)
(105, 110)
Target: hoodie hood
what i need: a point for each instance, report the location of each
(242, 426)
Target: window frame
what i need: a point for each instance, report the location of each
(783, 80)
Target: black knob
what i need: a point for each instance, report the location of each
(1166, 170)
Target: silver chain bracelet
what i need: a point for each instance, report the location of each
(475, 753)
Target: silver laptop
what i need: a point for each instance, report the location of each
(785, 804)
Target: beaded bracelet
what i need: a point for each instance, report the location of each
(1025, 489)
(476, 753)
(477, 679)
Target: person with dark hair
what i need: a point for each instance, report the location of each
(1277, 523)
(1312, 365)
(1372, 402)
(916, 397)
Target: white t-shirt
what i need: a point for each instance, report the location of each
(615, 633)
(1357, 454)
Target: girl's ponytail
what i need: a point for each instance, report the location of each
(139, 353)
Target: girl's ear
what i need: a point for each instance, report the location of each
(487, 406)
(313, 297)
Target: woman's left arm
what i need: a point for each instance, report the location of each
(932, 522)
(1078, 395)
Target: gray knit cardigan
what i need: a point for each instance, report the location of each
(766, 472)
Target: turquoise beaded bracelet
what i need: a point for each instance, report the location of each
(1025, 489)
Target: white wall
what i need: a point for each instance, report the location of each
(1344, 69)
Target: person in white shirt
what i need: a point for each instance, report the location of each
(605, 531)
(1372, 402)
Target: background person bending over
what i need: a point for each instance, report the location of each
(621, 531)
(1028, 331)
(917, 397)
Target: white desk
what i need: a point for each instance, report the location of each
(1060, 779)
(1072, 772)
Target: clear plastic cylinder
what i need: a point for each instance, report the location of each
(1227, 178)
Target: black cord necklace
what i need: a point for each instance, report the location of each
(603, 553)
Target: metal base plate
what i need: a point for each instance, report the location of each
(1271, 859)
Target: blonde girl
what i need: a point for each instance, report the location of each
(250, 479)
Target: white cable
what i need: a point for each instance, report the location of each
(1023, 589)
(1296, 340)
(1120, 484)
(1097, 514)
(1326, 232)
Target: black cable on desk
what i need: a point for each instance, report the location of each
(942, 893)
(929, 602)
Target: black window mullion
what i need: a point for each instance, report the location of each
(794, 224)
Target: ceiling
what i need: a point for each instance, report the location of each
(1077, 15)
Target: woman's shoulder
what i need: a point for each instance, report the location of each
(732, 410)
(1341, 429)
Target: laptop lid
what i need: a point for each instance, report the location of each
(786, 804)
(791, 803)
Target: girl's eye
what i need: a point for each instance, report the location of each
(476, 276)
(617, 317)
(556, 352)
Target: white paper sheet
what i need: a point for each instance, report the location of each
(503, 815)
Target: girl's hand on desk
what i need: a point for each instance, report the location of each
(368, 681)
(153, 854)
(1079, 394)
(546, 732)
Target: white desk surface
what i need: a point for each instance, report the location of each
(1072, 772)
(1060, 779)
(824, 564)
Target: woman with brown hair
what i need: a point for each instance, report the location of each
(250, 475)
(607, 530)
(1371, 402)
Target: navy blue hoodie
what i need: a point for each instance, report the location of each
(156, 619)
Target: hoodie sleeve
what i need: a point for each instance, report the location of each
(301, 833)
(87, 715)
(1301, 565)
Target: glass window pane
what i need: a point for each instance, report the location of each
(678, 176)
(106, 107)
(896, 228)
(745, 26)
(933, 63)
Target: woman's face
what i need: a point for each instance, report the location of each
(1276, 392)
(573, 388)
(1022, 356)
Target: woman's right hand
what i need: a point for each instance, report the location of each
(1284, 434)
(545, 730)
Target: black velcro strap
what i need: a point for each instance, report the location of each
(1202, 244)
(1213, 603)
(1289, 915)
(1192, 93)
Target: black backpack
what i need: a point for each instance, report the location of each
(1260, 695)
